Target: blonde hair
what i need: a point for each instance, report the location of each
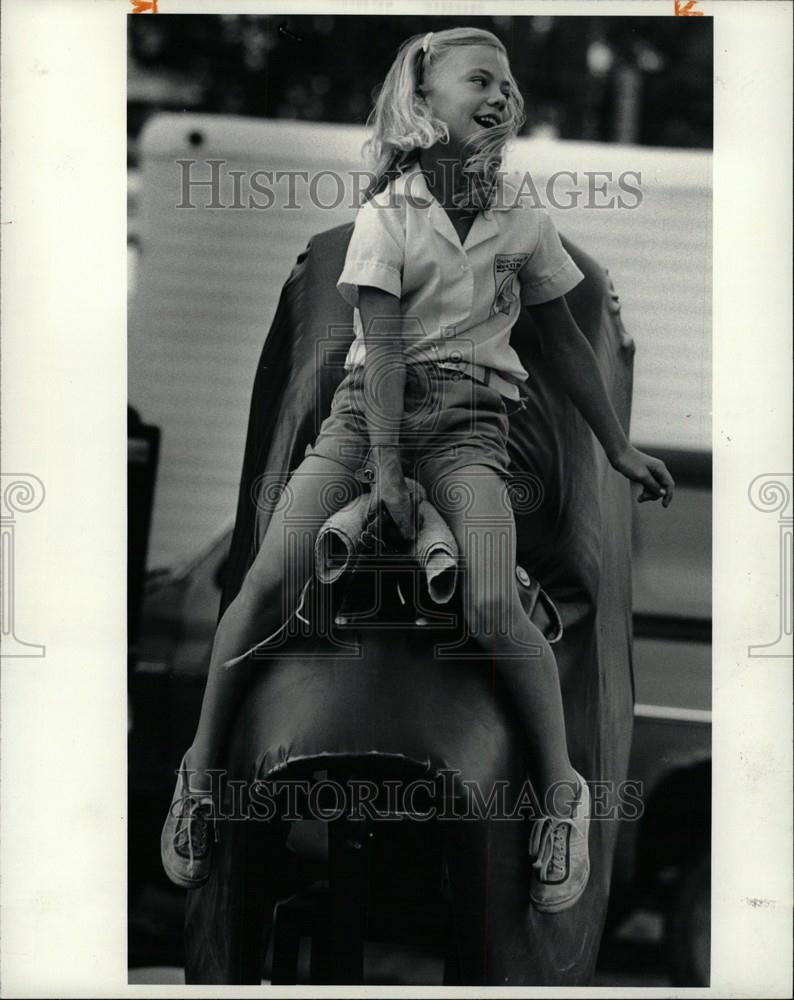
(401, 124)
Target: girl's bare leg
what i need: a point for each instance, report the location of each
(486, 536)
(268, 596)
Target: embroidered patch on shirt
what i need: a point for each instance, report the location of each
(505, 267)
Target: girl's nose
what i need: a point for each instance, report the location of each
(498, 101)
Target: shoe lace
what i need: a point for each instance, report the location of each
(196, 816)
(548, 844)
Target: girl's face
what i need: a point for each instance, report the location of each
(467, 89)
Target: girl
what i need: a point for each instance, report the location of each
(431, 270)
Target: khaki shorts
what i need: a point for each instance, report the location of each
(449, 421)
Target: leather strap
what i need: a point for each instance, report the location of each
(539, 607)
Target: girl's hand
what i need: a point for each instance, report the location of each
(391, 489)
(399, 502)
(650, 472)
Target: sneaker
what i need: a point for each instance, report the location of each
(185, 844)
(562, 866)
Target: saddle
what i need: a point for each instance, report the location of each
(359, 534)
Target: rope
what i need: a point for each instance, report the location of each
(295, 614)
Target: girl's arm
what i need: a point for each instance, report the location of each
(569, 353)
(384, 398)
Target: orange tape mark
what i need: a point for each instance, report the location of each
(686, 8)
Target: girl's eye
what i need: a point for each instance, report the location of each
(479, 79)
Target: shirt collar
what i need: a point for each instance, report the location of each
(413, 182)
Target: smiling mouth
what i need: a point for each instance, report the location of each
(487, 121)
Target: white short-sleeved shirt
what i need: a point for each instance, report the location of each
(458, 302)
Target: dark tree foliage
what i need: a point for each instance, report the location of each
(630, 79)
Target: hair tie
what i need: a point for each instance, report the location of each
(426, 41)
